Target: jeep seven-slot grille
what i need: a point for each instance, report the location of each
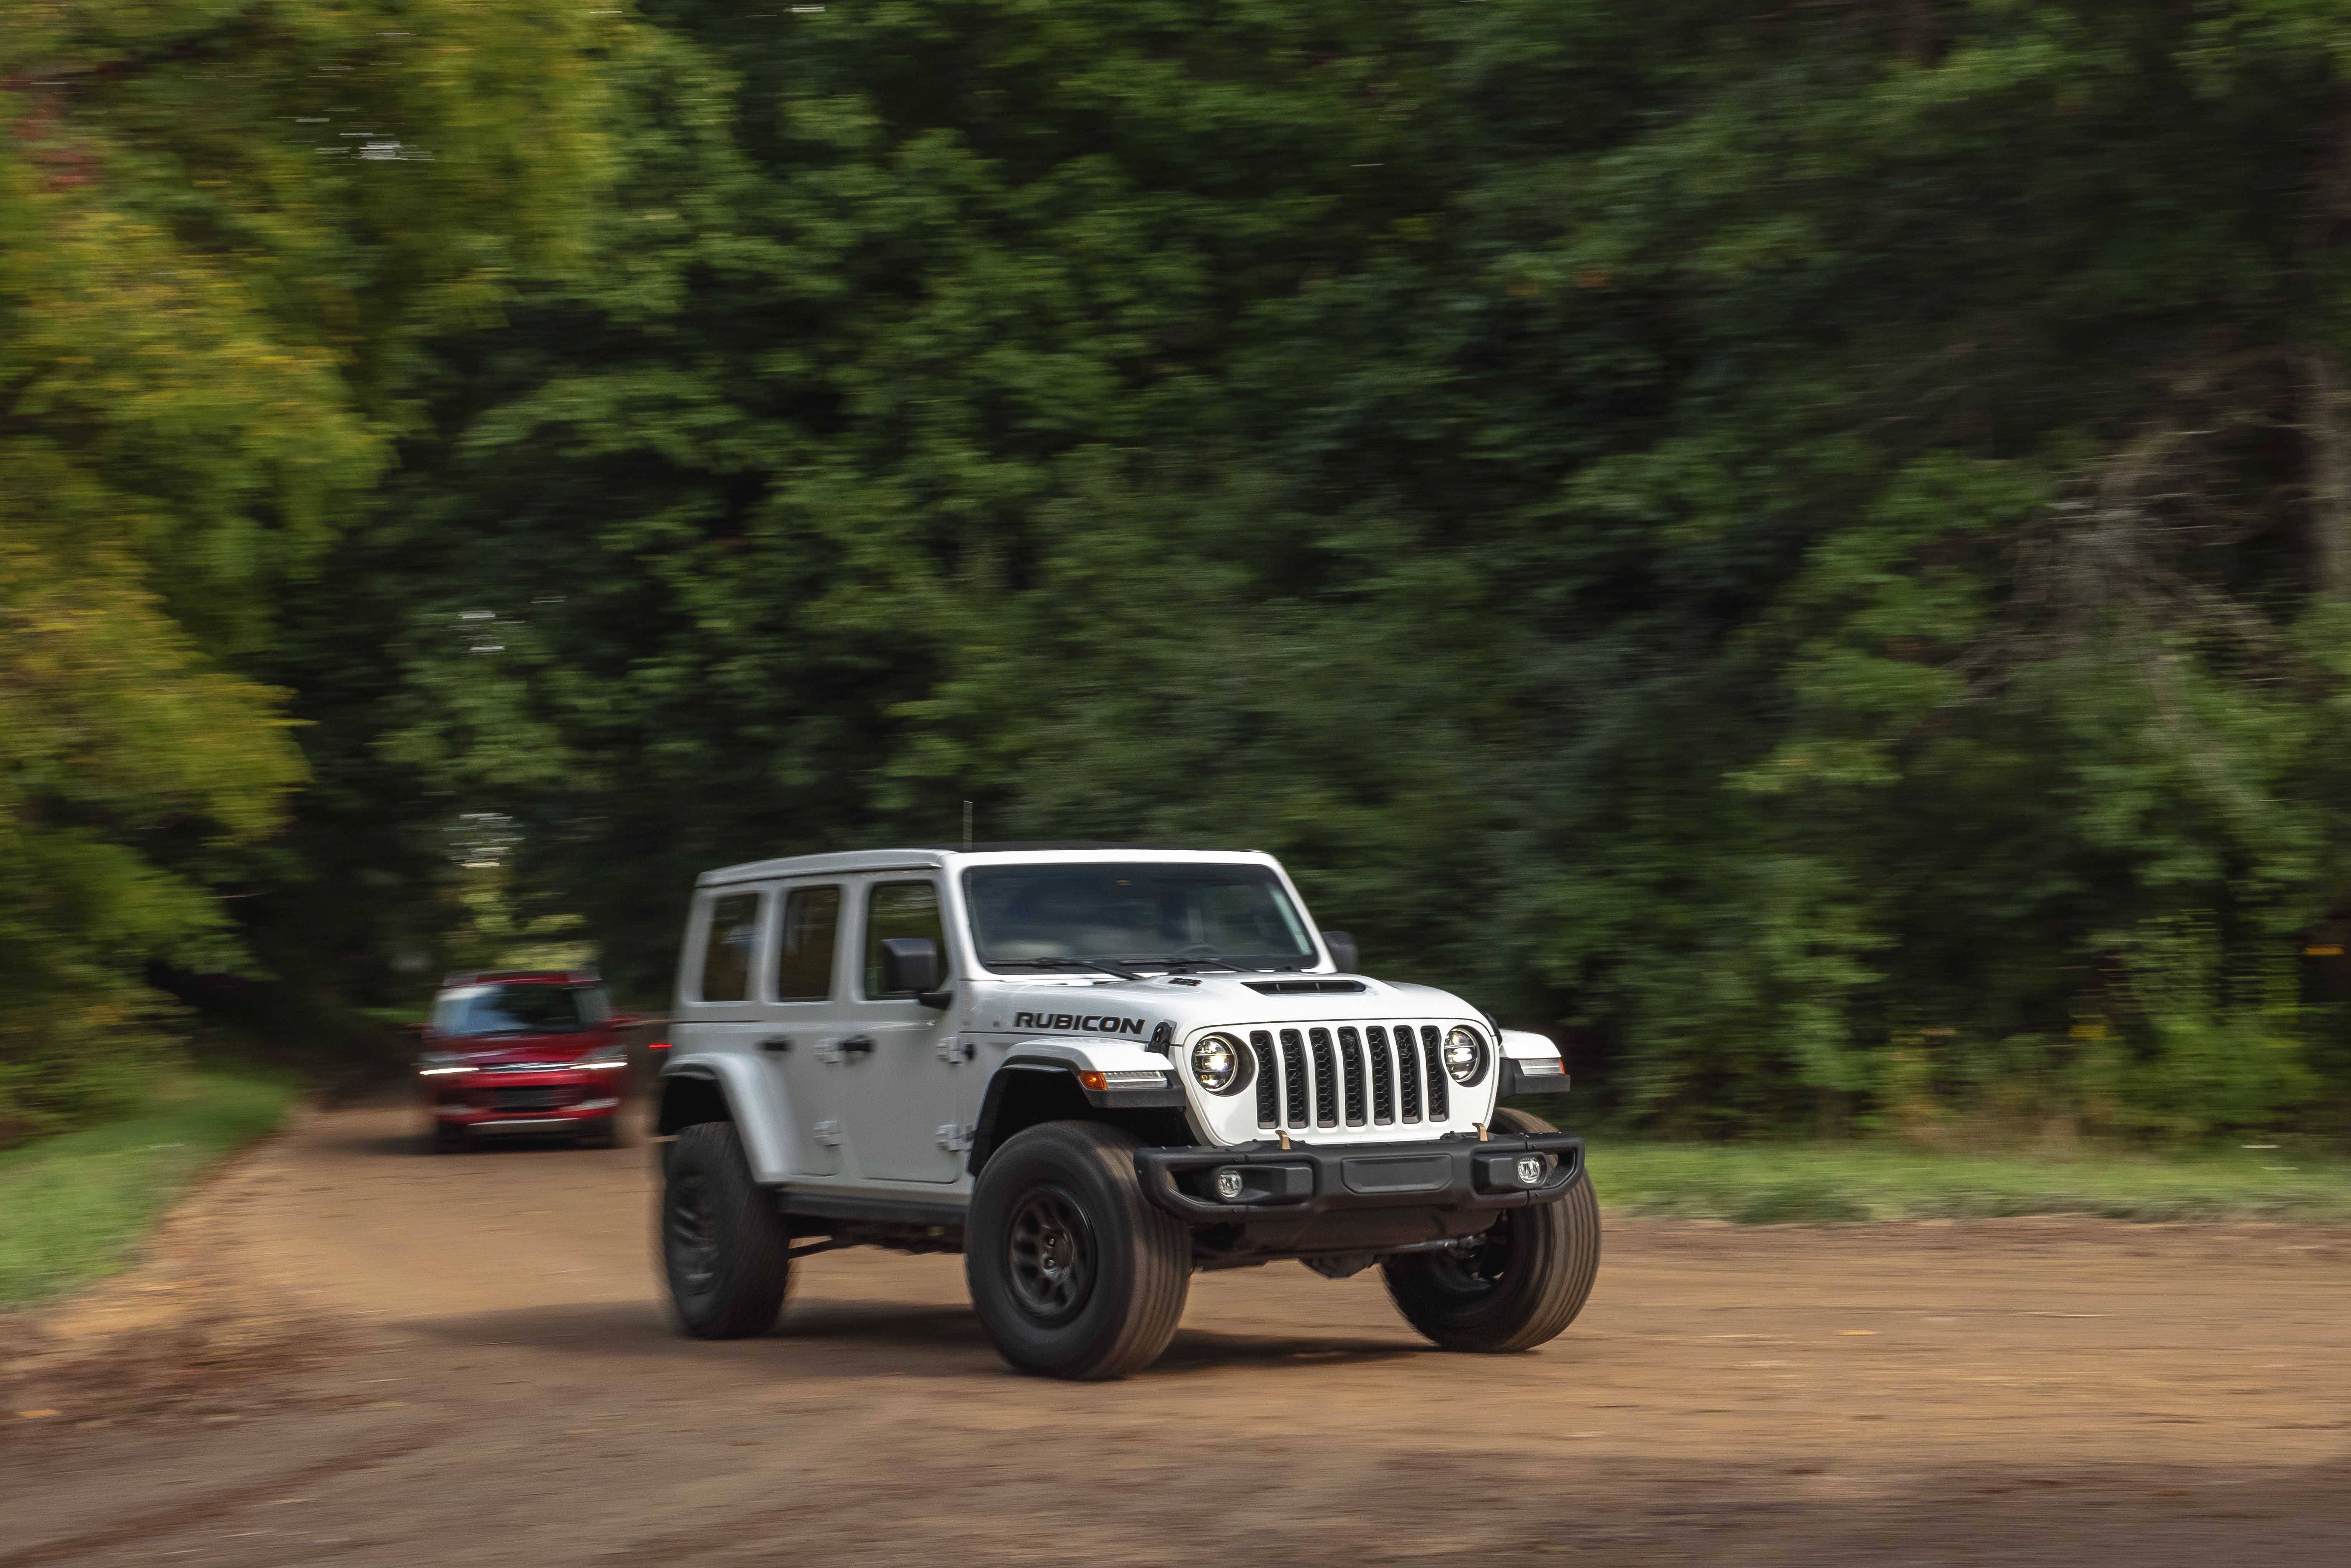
(1377, 1075)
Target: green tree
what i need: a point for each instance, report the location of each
(225, 229)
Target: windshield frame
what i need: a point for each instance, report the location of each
(1287, 907)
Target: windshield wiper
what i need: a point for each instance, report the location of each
(1121, 970)
(1186, 965)
(1103, 965)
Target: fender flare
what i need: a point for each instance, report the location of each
(1058, 1064)
(744, 1090)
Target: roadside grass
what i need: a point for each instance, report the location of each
(1780, 1184)
(75, 1206)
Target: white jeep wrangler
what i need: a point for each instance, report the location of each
(1094, 1069)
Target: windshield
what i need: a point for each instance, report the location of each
(525, 1009)
(1141, 913)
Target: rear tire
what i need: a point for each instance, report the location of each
(1521, 1288)
(1073, 1271)
(724, 1251)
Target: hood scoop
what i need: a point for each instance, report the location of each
(1302, 987)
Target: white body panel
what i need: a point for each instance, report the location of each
(893, 1117)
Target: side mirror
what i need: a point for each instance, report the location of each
(909, 964)
(1342, 952)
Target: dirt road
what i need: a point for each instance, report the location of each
(349, 1352)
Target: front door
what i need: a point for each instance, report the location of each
(900, 1083)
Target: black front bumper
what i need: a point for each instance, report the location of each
(1308, 1179)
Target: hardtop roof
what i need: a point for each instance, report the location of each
(930, 857)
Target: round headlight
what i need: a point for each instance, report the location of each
(1465, 1054)
(1218, 1063)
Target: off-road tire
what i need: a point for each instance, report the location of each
(725, 1252)
(1520, 1290)
(1125, 1266)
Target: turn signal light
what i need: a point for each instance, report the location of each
(658, 1045)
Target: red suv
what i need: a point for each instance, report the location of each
(524, 1050)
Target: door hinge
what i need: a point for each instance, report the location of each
(955, 1137)
(828, 1134)
(952, 1050)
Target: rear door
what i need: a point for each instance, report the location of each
(803, 976)
(717, 1007)
(900, 1087)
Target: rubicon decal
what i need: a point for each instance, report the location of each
(1099, 1023)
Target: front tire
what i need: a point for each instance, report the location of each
(1073, 1271)
(725, 1250)
(1518, 1290)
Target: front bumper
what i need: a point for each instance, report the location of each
(541, 1102)
(1309, 1179)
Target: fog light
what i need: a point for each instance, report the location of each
(1530, 1170)
(1228, 1185)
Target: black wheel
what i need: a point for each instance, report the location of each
(1521, 1285)
(724, 1246)
(448, 1138)
(1073, 1273)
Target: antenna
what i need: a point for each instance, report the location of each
(967, 827)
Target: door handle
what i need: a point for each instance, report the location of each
(777, 1043)
(863, 1042)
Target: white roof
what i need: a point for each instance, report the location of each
(930, 857)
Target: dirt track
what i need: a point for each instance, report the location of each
(349, 1352)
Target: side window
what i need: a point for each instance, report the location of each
(804, 944)
(726, 951)
(898, 909)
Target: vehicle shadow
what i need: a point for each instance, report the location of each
(932, 1340)
(413, 1142)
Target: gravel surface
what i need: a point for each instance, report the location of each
(347, 1352)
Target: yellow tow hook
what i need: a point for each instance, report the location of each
(1481, 1131)
(1284, 1134)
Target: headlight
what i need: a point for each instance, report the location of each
(1218, 1064)
(1465, 1054)
(440, 1064)
(604, 1056)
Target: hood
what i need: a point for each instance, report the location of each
(517, 1049)
(1095, 1007)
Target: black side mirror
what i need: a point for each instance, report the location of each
(909, 964)
(1342, 952)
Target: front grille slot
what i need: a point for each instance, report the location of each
(1351, 1068)
(1294, 1078)
(524, 1098)
(1326, 1079)
(1269, 1079)
(1383, 1075)
(1433, 1048)
(1407, 1072)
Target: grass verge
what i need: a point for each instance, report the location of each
(1768, 1183)
(77, 1207)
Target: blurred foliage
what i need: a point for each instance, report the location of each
(225, 230)
(1806, 551)
(74, 1206)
